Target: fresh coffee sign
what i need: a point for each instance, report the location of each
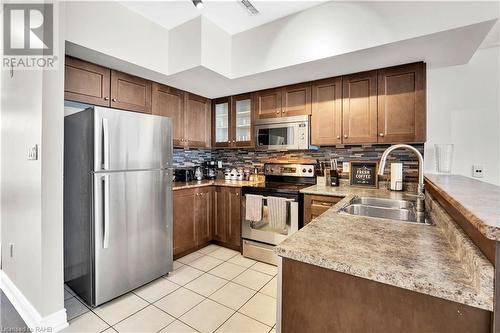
(364, 174)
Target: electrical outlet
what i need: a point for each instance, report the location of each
(219, 164)
(33, 153)
(345, 167)
(477, 171)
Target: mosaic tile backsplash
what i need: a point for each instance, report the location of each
(251, 158)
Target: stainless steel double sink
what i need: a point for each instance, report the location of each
(392, 209)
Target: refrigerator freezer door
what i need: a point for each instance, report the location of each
(132, 230)
(131, 141)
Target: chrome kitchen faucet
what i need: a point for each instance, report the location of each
(420, 190)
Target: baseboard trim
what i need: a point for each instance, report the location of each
(51, 323)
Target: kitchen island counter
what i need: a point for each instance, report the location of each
(437, 260)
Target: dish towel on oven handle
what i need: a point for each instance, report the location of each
(253, 207)
(277, 213)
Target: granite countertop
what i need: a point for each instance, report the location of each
(476, 200)
(214, 182)
(416, 257)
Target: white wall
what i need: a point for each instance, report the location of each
(463, 108)
(184, 46)
(112, 29)
(31, 191)
(338, 27)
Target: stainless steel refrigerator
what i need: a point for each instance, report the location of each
(117, 201)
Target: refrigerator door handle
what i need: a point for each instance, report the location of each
(105, 143)
(105, 242)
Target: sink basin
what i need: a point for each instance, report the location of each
(382, 202)
(401, 210)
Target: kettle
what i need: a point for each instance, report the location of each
(198, 174)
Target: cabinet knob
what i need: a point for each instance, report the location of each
(381, 134)
(237, 194)
(106, 98)
(114, 99)
(345, 136)
(234, 141)
(278, 112)
(283, 111)
(338, 136)
(229, 141)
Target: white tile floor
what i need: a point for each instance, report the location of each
(212, 290)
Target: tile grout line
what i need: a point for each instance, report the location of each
(246, 268)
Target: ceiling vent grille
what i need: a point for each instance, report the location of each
(251, 8)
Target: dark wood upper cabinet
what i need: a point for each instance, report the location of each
(169, 102)
(359, 108)
(268, 103)
(326, 118)
(401, 104)
(242, 121)
(296, 100)
(232, 121)
(203, 215)
(130, 92)
(197, 121)
(85, 82)
(222, 133)
(184, 223)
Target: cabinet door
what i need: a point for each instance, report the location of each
(315, 205)
(203, 215)
(359, 108)
(130, 92)
(184, 233)
(326, 118)
(401, 104)
(197, 121)
(234, 216)
(222, 129)
(296, 100)
(220, 214)
(268, 103)
(242, 121)
(85, 82)
(169, 102)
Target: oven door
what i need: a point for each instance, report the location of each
(261, 232)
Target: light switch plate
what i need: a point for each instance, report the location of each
(477, 171)
(33, 153)
(346, 167)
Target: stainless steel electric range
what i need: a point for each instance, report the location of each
(281, 180)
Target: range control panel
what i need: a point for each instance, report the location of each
(293, 170)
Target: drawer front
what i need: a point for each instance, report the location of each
(315, 205)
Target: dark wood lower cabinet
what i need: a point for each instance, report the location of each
(205, 214)
(315, 205)
(227, 217)
(184, 226)
(316, 299)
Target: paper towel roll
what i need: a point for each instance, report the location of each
(397, 176)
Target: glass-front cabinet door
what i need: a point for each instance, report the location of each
(222, 122)
(242, 121)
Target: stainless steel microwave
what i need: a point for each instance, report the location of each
(286, 133)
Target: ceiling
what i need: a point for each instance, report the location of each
(230, 15)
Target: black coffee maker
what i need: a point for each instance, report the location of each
(210, 169)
